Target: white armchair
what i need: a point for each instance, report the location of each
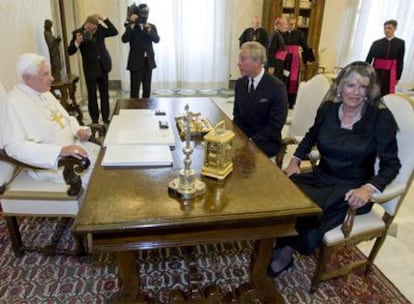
(309, 97)
(373, 225)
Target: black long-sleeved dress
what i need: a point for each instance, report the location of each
(347, 162)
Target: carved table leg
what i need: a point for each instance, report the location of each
(128, 272)
(260, 260)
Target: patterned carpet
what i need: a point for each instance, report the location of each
(37, 278)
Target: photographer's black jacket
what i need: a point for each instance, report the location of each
(95, 56)
(140, 42)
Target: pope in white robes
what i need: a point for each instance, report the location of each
(35, 128)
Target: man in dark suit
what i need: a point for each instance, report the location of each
(387, 57)
(96, 61)
(140, 34)
(261, 103)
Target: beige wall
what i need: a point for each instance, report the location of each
(21, 31)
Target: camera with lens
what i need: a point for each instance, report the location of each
(87, 36)
(142, 10)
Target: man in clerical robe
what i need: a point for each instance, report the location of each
(276, 52)
(295, 43)
(254, 33)
(35, 128)
(387, 57)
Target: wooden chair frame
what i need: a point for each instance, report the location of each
(71, 168)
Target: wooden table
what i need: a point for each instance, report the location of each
(64, 89)
(129, 209)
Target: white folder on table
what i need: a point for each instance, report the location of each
(137, 155)
(143, 130)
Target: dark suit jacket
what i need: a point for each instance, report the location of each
(140, 42)
(95, 56)
(262, 114)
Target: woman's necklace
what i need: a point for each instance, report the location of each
(348, 119)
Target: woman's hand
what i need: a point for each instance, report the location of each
(293, 167)
(358, 197)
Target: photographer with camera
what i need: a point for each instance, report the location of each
(96, 61)
(140, 34)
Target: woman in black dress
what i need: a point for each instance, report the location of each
(352, 128)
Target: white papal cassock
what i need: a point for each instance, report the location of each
(34, 127)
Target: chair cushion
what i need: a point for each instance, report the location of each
(6, 172)
(28, 196)
(362, 223)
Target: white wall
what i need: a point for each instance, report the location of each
(338, 21)
(21, 31)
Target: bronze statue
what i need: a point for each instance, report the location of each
(54, 51)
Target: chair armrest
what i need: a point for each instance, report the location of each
(6, 158)
(98, 134)
(282, 151)
(72, 167)
(393, 190)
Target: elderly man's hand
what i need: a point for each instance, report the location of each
(74, 150)
(84, 133)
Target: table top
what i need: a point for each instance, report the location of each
(133, 198)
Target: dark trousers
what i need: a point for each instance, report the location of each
(102, 83)
(329, 195)
(143, 76)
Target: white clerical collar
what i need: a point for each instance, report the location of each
(257, 79)
(28, 90)
(389, 39)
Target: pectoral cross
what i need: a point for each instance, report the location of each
(58, 118)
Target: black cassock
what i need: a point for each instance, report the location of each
(293, 38)
(250, 34)
(390, 50)
(277, 49)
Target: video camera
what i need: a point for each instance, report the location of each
(142, 10)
